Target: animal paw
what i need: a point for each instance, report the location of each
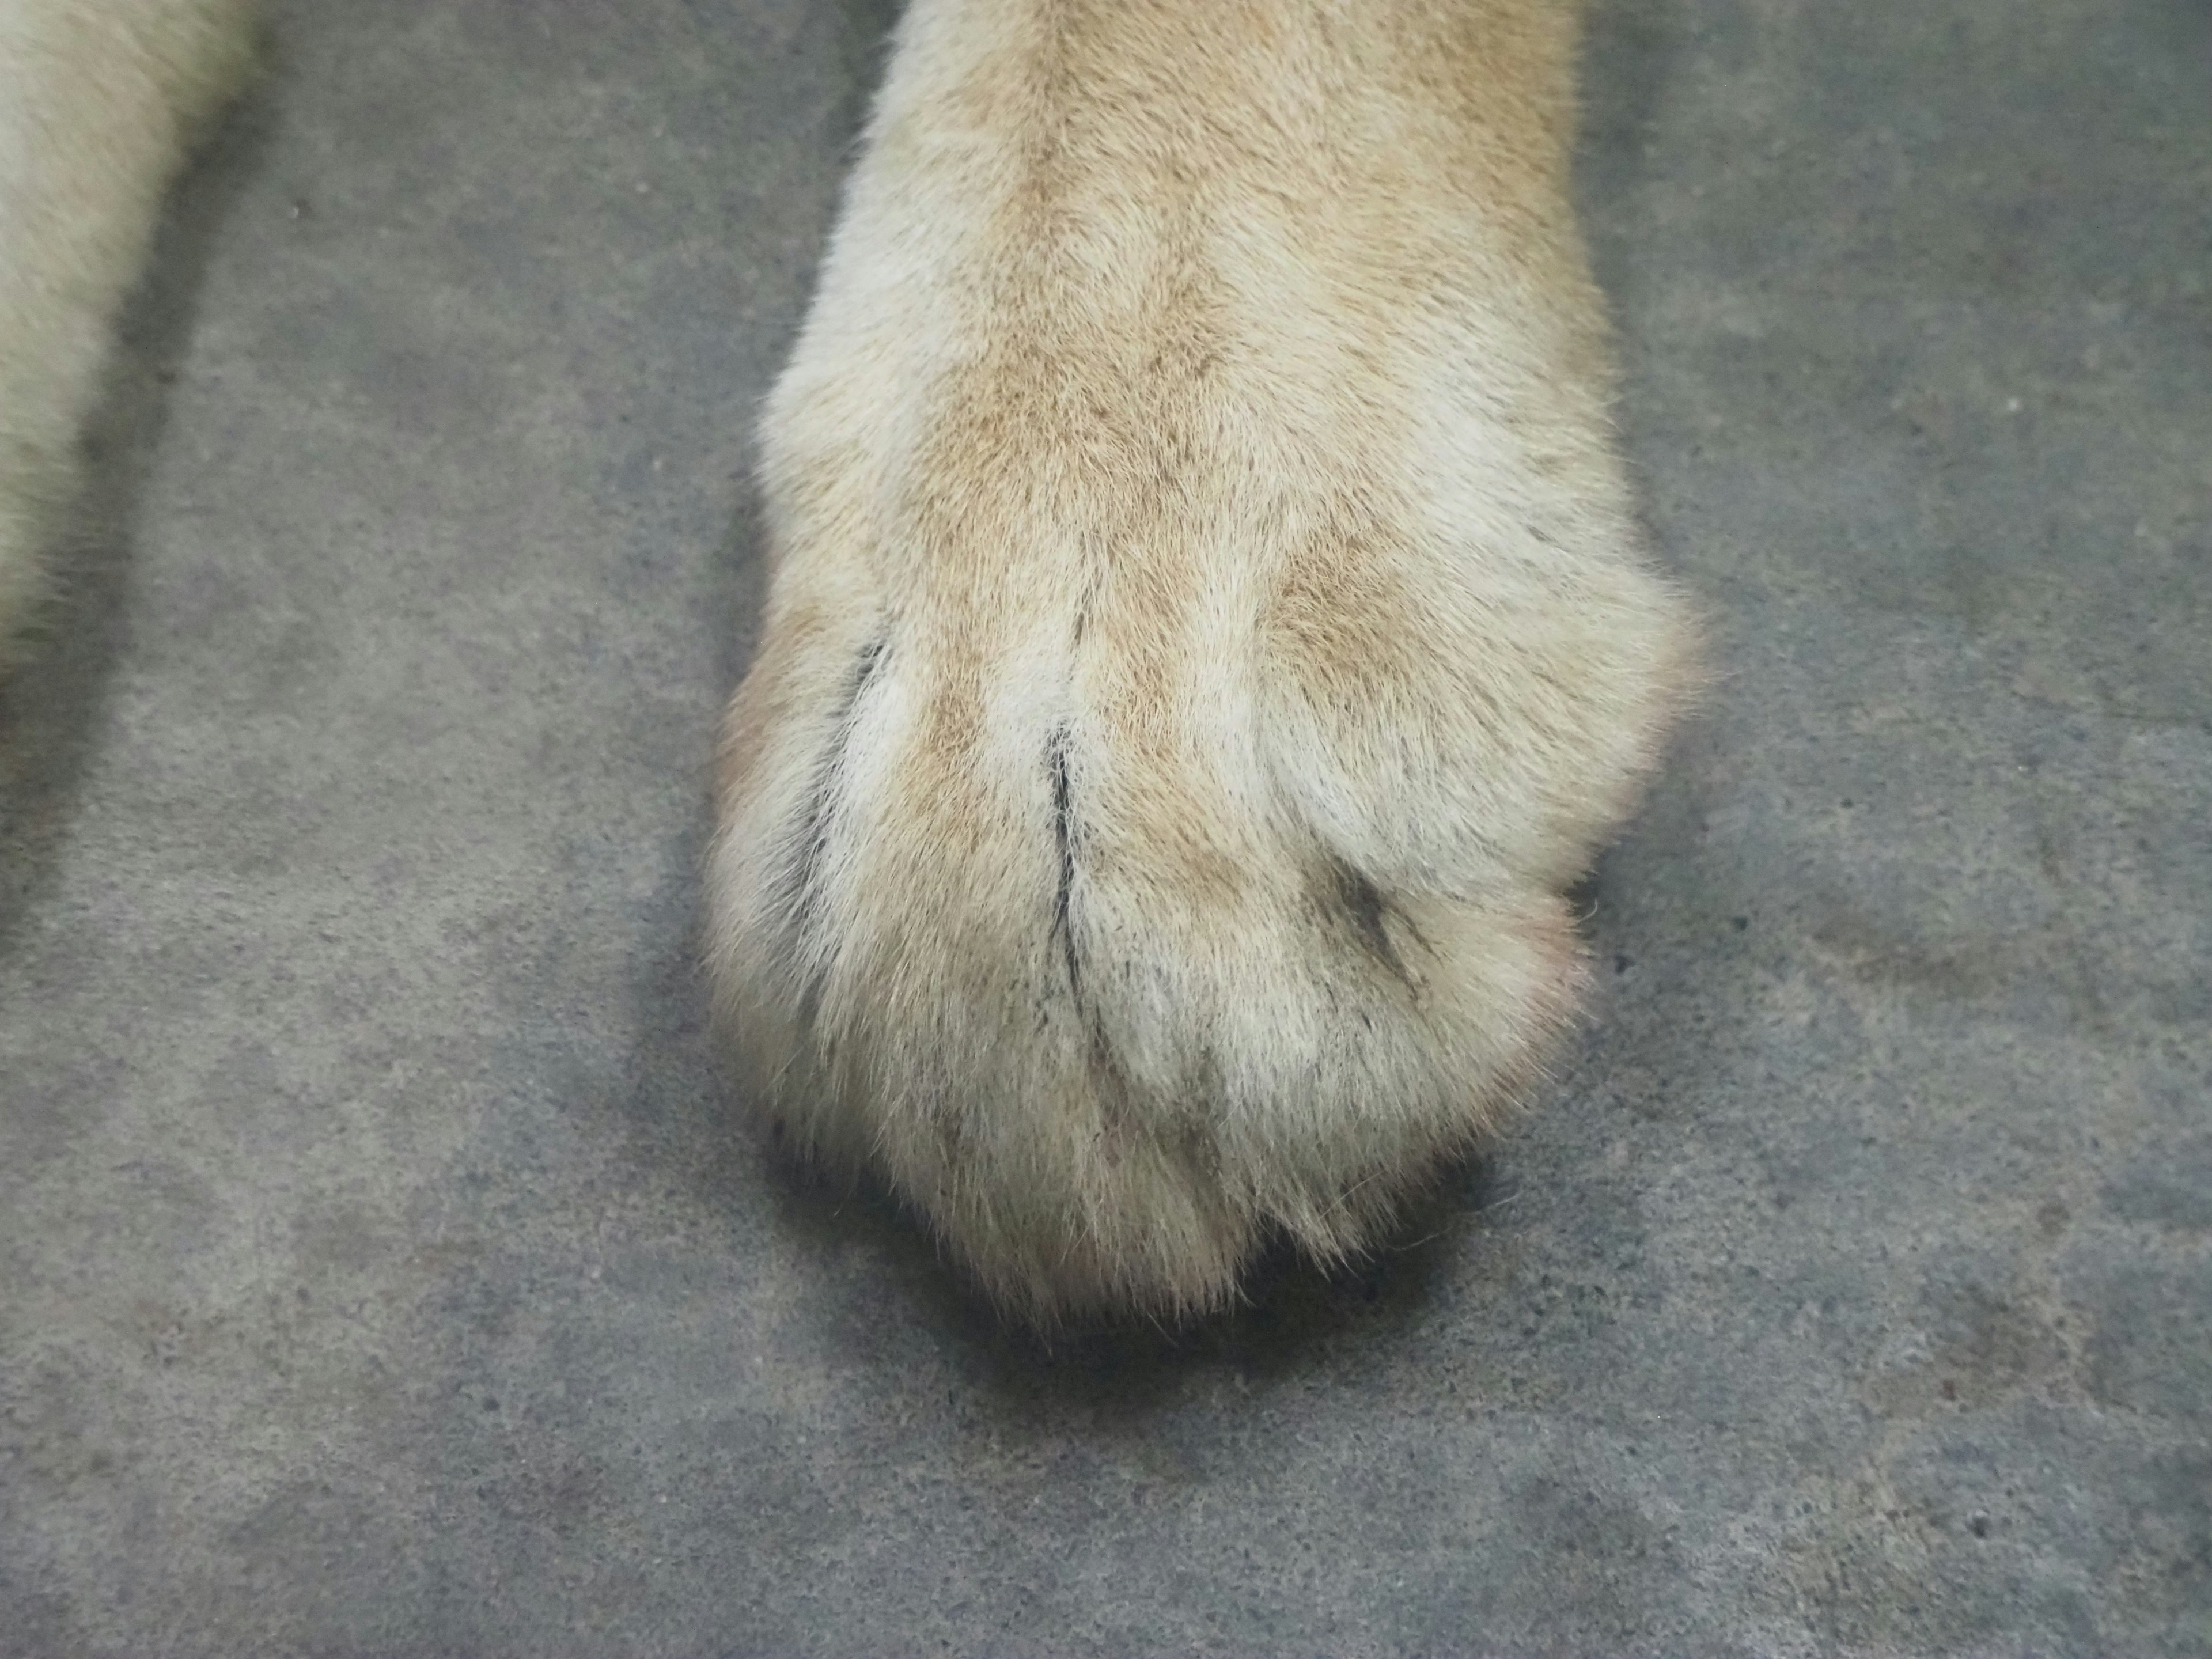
(1206, 635)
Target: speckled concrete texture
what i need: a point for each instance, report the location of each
(384, 1267)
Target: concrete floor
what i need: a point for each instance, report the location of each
(383, 1268)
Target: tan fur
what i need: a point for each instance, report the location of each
(97, 99)
(1207, 632)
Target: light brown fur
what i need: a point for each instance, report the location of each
(1207, 632)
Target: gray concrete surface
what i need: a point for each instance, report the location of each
(382, 1267)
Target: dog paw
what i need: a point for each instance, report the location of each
(1207, 633)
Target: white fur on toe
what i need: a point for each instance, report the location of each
(97, 100)
(1207, 631)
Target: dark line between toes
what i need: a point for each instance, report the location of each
(1364, 903)
(803, 894)
(1063, 831)
(1113, 1084)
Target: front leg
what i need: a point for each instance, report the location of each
(98, 101)
(1207, 633)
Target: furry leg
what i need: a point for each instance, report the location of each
(1208, 632)
(99, 99)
